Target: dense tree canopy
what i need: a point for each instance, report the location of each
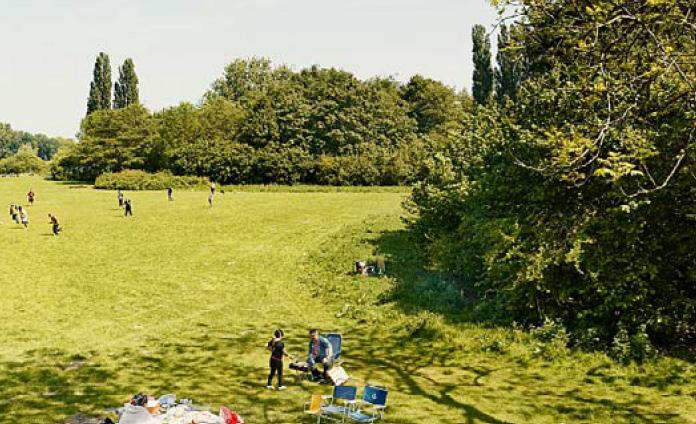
(260, 123)
(25, 161)
(12, 140)
(576, 202)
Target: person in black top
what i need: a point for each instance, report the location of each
(277, 348)
(54, 224)
(170, 194)
(128, 207)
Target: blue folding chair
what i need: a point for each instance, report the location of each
(336, 341)
(341, 402)
(371, 406)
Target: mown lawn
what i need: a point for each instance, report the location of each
(181, 298)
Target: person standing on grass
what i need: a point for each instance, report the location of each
(212, 187)
(170, 194)
(277, 348)
(210, 199)
(54, 224)
(13, 214)
(128, 207)
(120, 199)
(24, 217)
(30, 197)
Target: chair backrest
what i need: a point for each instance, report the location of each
(336, 341)
(375, 396)
(345, 392)
(315, 404)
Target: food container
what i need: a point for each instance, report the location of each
(152, 406)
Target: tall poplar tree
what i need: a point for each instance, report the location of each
(100, 88)
(483, 70)
(508, 71)
(126, 88)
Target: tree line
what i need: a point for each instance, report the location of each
(261, 123)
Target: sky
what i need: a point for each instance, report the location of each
(48, 47)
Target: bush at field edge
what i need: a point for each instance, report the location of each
(141, 180)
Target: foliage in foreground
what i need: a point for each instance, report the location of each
(141, 180)
(576, 202)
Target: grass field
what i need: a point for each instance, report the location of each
(181, 299)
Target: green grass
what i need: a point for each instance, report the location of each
(182, 299)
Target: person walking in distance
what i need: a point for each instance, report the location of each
(128, 206)
(170, 194)
(14, 213)
(55, 226)
(30, 197)
(24, 216)
(120, 199)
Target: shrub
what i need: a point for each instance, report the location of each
(552, 339)
(141, 180)
(628, 347)
(25, 161)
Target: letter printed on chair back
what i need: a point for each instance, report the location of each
(375, 396)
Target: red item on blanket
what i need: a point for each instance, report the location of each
(230, 417)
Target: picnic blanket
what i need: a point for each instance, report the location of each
(172, 413)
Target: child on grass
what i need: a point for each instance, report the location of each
(24, 217)
(277, 348)
(54, 224)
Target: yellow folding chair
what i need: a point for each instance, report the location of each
(313, 407)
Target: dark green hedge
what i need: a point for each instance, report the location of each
(141, 180)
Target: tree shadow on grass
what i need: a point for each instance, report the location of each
(402, 367)
(49, 386)
(417, 288)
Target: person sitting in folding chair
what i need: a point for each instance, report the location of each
(320, 352)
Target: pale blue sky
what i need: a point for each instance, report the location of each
(48, 47)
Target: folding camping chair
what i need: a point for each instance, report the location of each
(371, 406)
(313, 407)
(341, 402)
